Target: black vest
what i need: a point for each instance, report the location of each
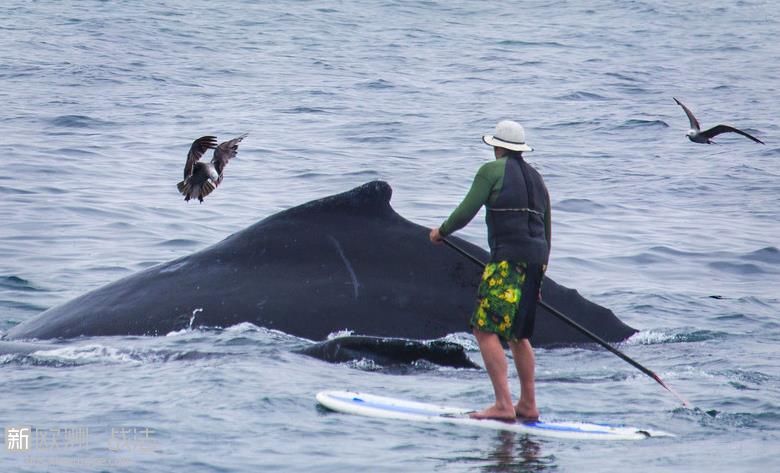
(515, 220)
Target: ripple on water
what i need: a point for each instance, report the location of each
(179, 243)
(579, 206)
(736, 268)
(770, 255)
(78, 121)
(582, 96)
(640, 124)
(17, 283)
(723, 419)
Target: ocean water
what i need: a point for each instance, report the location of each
(102, 99)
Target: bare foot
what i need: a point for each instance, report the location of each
(496, 413)
(525, 412)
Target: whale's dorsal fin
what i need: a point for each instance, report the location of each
(372, 197)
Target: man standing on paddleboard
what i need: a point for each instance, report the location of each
(519, 235)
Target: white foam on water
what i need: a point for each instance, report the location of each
(93, 353)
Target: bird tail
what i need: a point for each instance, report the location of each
(199, 191)
(205, 189)
(185, 187)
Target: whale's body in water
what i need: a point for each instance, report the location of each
(347, 262)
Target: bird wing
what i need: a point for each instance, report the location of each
(694, 122)
(197, 149)
(224, 153)
(717, 130)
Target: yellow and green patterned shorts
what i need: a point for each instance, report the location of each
(506, 299)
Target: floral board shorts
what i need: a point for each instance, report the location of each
(506, 299)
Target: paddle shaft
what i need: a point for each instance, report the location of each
(582, 329)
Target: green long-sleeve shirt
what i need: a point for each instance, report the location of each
(484, 191)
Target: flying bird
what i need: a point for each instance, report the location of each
(697, 136)
(200, 177)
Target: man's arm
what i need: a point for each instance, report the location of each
(476, 197)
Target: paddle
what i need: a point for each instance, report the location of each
(582, 329)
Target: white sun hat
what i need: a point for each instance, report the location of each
(509, 135)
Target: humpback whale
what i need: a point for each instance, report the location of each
(390, 351)
(347, 262)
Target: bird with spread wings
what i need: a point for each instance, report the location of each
(200, 177)
(696, 134)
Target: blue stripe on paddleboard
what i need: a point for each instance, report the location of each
(565, 428)
(388, 407)
(426, 412)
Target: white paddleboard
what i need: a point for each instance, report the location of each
(390, 408)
